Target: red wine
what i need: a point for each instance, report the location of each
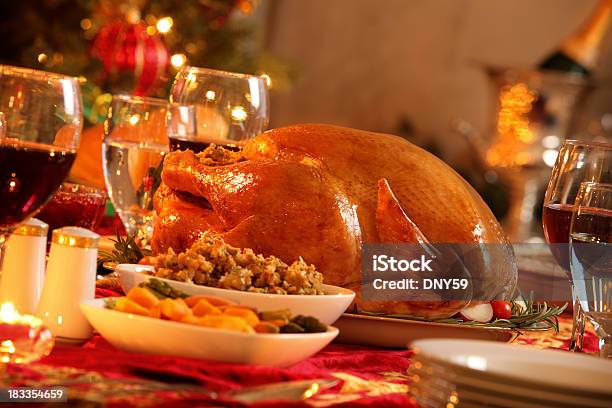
(593, 225)
(197, 146)
(29, 175)
(557, 219)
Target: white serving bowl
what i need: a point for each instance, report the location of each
(144, 334)
(327, 308)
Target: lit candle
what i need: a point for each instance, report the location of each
(23, 338)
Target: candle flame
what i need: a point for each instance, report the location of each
(8, 314)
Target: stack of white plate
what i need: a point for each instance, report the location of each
(469, 373)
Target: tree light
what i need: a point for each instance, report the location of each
(86, 24)
(164, 24)
(178, 60)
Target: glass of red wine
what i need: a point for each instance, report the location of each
(591, 258)
(229, 107)
(576, 163)
(40, 126)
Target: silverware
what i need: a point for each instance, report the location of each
(288, 391)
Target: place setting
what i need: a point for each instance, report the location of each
(190, 219)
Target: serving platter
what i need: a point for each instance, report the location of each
(327, 308)
(398, 333)
(142, 334)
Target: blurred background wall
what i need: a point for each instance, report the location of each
(368, 64)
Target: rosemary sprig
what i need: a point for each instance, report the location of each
(524, 315)
(126, 250)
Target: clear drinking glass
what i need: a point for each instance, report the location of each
(577, 162)
(40, 126)
(135, 142)
(229, 107)
(591, 258)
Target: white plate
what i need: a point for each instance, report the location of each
(435, 377)
(398, 333)
(143, 334)
(547, 370)
(327, 308)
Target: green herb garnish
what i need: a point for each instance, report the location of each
(162, 290)
(126, 250)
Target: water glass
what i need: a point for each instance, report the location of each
(135, 142)
(229, 107)
(591, 258)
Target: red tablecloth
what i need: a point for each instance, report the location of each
(367, 376)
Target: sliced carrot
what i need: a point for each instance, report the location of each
(213, 300)
(143, 297)
(174, 309)
(124, 304)
(190, 319)
(242, 312)
(155, 311)
(203, 307)
(225, 322)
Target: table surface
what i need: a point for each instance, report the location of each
(368, 376)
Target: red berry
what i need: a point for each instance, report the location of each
(501, 309)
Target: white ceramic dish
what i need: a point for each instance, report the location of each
(327, 308)
(436, 378)
(550, 371)
(398, 333)
(143, 334)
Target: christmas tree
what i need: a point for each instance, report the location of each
(133, 46)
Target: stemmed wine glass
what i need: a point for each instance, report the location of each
(135, 142)
(577, 162)
(40, 126)
(229, 107)
(591, 258)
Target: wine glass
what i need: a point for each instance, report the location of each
(591, 258)
(577, 162)
(135, 142)
(229, 107)
(40, 125)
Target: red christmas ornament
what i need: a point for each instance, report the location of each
(125, 47)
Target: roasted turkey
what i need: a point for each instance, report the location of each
(319, 192)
